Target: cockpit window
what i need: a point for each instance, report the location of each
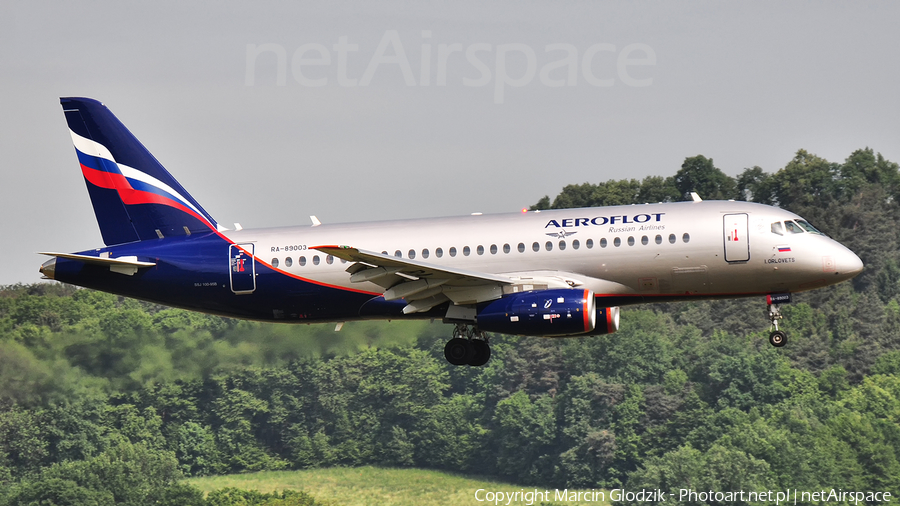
(809, 228)
(776, 228)
(792, 227)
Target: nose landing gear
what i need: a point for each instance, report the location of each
(469, 346)
(777, 338)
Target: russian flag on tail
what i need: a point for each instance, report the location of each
(134, 196)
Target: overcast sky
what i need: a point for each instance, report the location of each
(383, 110)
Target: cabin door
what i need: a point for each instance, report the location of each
(242, 268)
(737, 244)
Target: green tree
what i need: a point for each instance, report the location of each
(698, 174)
(524, 432)
(752, 184)
(125, 474)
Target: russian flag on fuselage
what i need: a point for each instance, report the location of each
(134, 196)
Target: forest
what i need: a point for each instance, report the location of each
(108, 400)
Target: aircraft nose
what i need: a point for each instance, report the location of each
(842, 262)
(851, 265)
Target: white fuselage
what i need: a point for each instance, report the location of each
(710, 248)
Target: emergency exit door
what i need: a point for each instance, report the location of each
(737, 244)
(242, 268)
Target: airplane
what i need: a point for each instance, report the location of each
(552, 273)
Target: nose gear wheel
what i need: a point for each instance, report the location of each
(777, 338)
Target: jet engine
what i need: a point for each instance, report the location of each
(563, 312)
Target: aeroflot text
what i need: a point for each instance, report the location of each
(604, 220)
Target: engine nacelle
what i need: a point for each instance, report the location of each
(607, 321)
(560, 312)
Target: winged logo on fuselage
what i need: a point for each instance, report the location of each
(562, 234)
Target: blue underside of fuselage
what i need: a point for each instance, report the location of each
(195, 273)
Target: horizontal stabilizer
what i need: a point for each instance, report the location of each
(133, 261)
(127, 265)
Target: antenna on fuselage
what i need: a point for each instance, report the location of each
(315, 221)
(695, 197)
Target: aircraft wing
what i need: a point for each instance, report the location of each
(422, 284)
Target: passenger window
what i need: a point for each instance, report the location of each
(603, 243)
(672, 239)
(466, 251)
(396, 254)
(549, 246)
(536, 247)
(301, 261)
(776, 228)
(275, 263)
(645, 240)
(589, 243)
(493, 249)
(480, 249)
(425, 253)
(792, 227)
(686, 237)
(316, 260)
(288, 262)
(617, 242)
(439, 252)
(453, 251)
(575, 244)
(631, 241)
(521, 247)
(329, 259)
(562, 245)
(506, 248)
(658, 239)
(412, 254)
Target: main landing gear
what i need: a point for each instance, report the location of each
(469, 346)
(777, 338)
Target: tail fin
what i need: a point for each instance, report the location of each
(134, 196)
